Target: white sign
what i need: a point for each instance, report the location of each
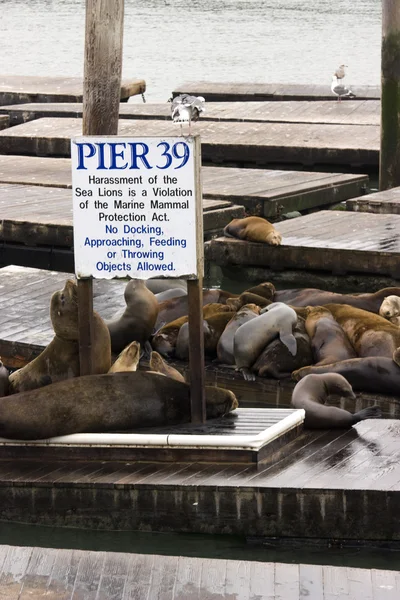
(137, 207)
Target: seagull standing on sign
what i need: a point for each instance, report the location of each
(186, 108)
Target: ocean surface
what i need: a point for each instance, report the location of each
(168, 42)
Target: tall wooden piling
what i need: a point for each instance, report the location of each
(389, 167)
(101, 96)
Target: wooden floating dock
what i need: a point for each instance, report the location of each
(262, 192)
(4, 121)
(65, 574)
(229, 143)
(384, 203)
(353, 112)
(16, 89)
(248, 92)
(339, 242)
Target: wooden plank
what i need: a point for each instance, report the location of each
(237, 91)
(386, 202)
(4, 121)
(16, 89)
(262, 192)
(352, 112)
(239, 143)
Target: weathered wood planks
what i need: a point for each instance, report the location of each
(233, 143)
(237, 91)
(29, 572)
(387, 202)
(353, 112)
(16, 89)
(337, 241)
(4, 121)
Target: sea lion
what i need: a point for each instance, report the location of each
(101, 403)
(374, 374)
(313, 391)
(128, 360)
(4, 380)
(390, 309)
(253, 229)
(60, 359)
(248, 298)
(136, 322)
(161, 285)
(158, 365)
(266, 289)
(369, 334)
(213, 327)
(328, 340)
(276, 361)
(316, 297)
(225, 342)
(169, 294)
(250, 339)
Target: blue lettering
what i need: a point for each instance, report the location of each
(114, 155)
(82, 155)
(135, 155)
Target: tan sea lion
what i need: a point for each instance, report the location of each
(313, 391)
(4, 380)
(316, 297)
(276, 361)
(213, 327)
(159, 365)
(252, 337)
(328, 340)
(128, 360)
(253, 229)
(248, 298)
(137, 321)
(369, 334)
(390, 309)
(225, 342)
(60, 359)
(101, 403)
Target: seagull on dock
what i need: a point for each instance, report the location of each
(340, 90)
(186, 108)
(340, 72)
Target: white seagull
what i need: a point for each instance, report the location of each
(340, 71)
(186, 108)
(340, 90)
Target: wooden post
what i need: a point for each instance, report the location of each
(389, 168)
(196, 350)
(101, 97)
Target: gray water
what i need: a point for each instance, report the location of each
(168, 42)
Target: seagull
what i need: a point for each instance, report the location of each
(340, 71)
(340, 90)
(186, 108)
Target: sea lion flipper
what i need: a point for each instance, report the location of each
(289, 341)
(247, 374)
(372, 412)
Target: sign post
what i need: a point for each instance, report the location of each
(137, 207)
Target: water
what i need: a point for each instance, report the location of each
(167, 42)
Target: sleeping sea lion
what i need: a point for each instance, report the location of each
(158, 285)
(213, 327)
(316, 297)
(225, 342)
(128, 360)
(266, 290)
(250, 339)
(253, 229)
(248, 298)
(390, 309)
(60, 359)
(136, 322)
(158, 365)
(101, 403)
(328, 340)
(169, 294)
(313, 391)
(4, 380)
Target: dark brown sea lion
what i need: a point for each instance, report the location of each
(313, 391)
(276, 361)
(137, 321)
(375, 374)
(213, 327)
(248, 298)
(225, 342)
(60, 359)
(369, 334)
(328, 340)
(101, 403)
(316, 297)
(128, 360)
(266, 290)
(159, 365)
(4, 380)
(253, 229)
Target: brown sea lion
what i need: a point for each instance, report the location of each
(225, 342)
(266, 290)
(316, 297)
(213, 327)
(328, 340)
(60, 359)
(248, 298)
(137, 321)
(276, 361)
(128, 360)
(369, 334)
(313, 391)
(253, 229)
(4, 380)
(101, 403)
(158, 365)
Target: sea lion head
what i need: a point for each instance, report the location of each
(335, 384)
(390, 307)
(219, 401)
(64, 311)
(249, 308)
(161, 342)
(274, 238)
(128, 359)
